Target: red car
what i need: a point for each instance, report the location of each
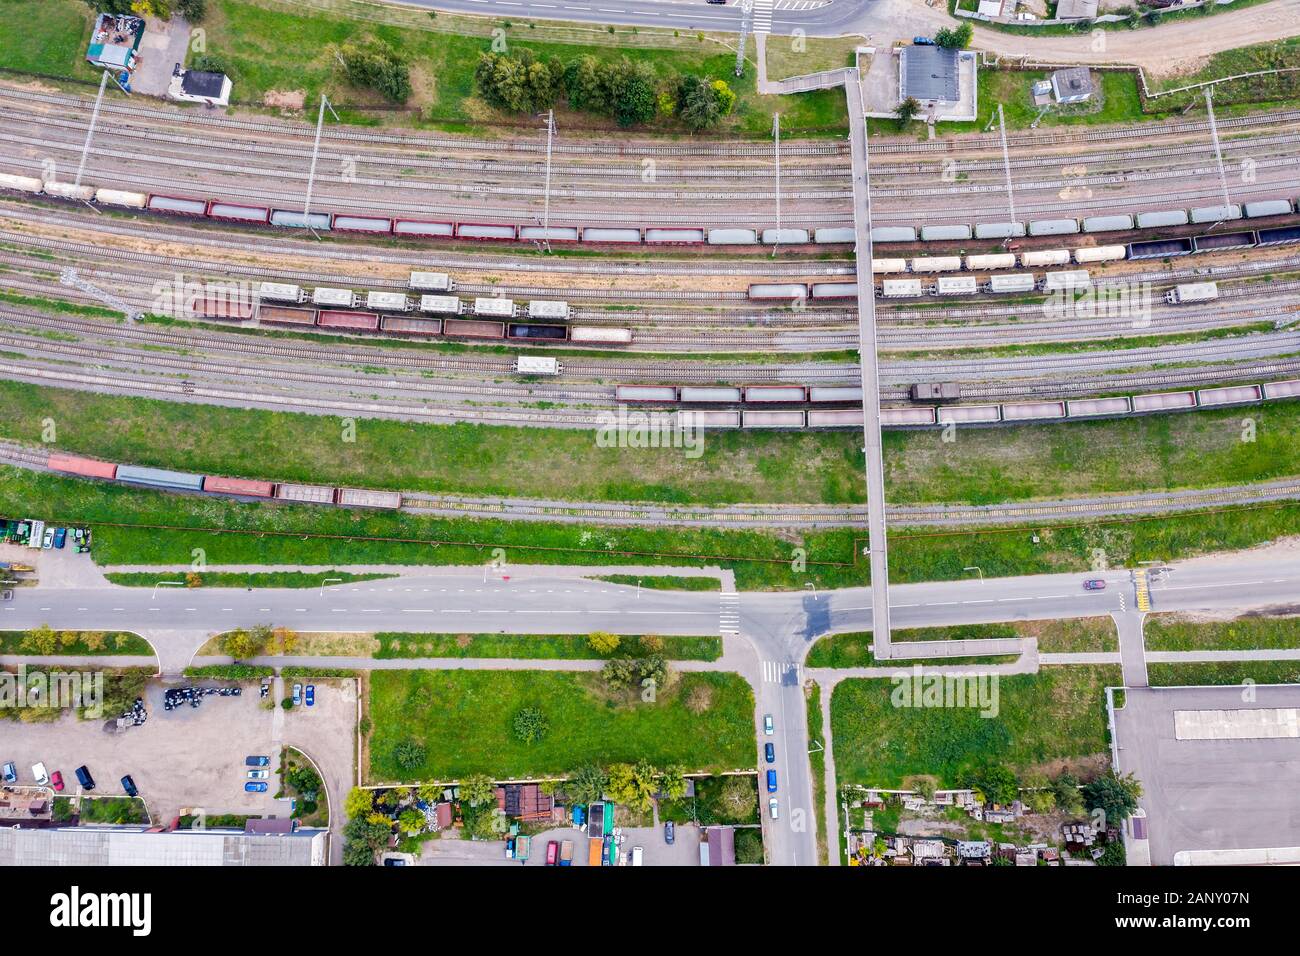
(56, 781)
(552, 853)
(1094, 585)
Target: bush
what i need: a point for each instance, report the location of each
(410, 754)
(375, 65)
(530, 725)
(749, 845)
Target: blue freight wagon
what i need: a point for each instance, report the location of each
(160, 478)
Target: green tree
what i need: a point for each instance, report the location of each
(587, 784)
(907, 110)
(672, 782)
(478, 789)
(726, 96)
(375, 65)
(997, 783)
(1115, 795)
(700, 107)
(1065, 789)
(410, 754)
(362, 839)
(192, 10)
(603, 642)
(530, 725)
(583, 86)
(239, 644)
(358, 802)
(955, 38)
(42, 640)
(411, 822)
(739, 798)
(630, 91)
(1038, 796)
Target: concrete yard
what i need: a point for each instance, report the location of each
(193, 757)
(1216, 793)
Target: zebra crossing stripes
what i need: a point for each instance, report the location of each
(729, 613)
(799, 4)
(762, 16)
(780, 672)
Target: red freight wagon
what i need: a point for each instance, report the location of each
(86, 467)
(351, 321)
(238, 486)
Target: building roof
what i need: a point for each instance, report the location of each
(203, 83)
(1076, 9)
(137, 846)
(269, 826)
(525, 801)
(1074, 81)
(722, 846)
(930, 73)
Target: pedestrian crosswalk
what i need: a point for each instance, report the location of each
(780, 672)
(799, 4)
(729, 613)
(1143, 592)
(762, 16)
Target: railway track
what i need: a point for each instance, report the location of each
(791, 517)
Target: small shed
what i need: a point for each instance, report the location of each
(1073, 85)
(114, 42)
(199, 86)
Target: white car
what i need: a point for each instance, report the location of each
(257, 775)
(774, 809)
(41, 775)
(767, 724)
(636, 856)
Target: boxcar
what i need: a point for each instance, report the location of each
(238, 486)
(160, 478)
(86, 467)
(348, 321)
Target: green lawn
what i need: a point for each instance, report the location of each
(54, 36)
(73, 643)
(1170, 632)
(254, 579)
(129, 528)
(817, 765)
(854, 649)
(463, 719)
(1012, 88)
(667, 582)
(471, 459)
(1054, 714)
(1224, 672)
(569, 647)
(707, 807)
(981, 466)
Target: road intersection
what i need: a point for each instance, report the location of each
(766, 634)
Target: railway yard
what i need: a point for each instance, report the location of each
(605, 381)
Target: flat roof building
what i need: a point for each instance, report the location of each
(930, 74)
(1073, 85)
(199, 86)
(146, 846)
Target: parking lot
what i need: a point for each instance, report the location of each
(192, 757)
(1209, 794)
(450, 851)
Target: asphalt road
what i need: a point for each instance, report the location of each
(779, 626)
(814, 17)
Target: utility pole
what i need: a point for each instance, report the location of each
(69, 277)
(546, 219)
(315, 153)
(1218, 151)
(1006, 166)
(746, 24)
(90, 130)
(776, 135)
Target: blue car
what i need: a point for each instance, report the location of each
(770, 753)
(771, 781)
(255, 786)
(311, 695)
(60, 537)
(922, 41)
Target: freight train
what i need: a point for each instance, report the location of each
(400, 226)
(216, 485)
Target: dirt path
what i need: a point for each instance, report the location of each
(1179, 46)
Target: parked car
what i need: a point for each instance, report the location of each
(552, 853)
(767, 724)
(637, 853)
(47, 541)
(923, 41)
(84, 778)
(60, 537)
(774, 809)
(56, 781)
(771, 781)
(8, 595)
(257, 761)
(255, 786)
(311, 695)
(41, 774)
(9, 772)
(769, 752)
(1096, 584)
(258, 774)
(297, 694)
(129, 786)
(670, 832)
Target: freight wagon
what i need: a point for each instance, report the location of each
(431, 282)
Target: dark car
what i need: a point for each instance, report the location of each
(255, 786)
(670, 832)
(60, 537)
(84, 778)
(771, 781)
(310, 696)
(770, 753)
(129, 786)
(923, 41)
(1096, 584)
(256, 761)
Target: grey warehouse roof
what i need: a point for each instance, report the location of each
(930, 73)
(129, 846)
